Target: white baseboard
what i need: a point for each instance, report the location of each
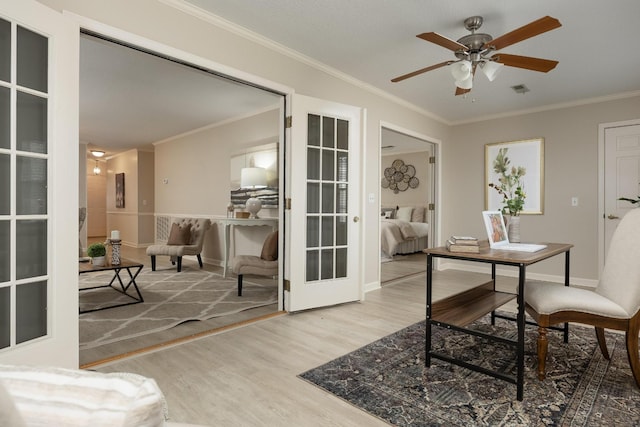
(371, 286)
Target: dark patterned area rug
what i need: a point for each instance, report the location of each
(388, 379)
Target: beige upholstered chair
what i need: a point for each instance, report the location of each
(614, 304)
(264, 265)
(186, 238)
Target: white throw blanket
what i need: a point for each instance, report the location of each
(392, 233)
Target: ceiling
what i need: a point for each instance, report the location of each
(375, 41)
(123, 92)
(130, 99)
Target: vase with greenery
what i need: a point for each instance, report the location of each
(511, 188)
(97, 252)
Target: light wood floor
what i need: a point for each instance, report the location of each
(248, 376)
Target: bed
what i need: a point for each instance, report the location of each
(403, 230)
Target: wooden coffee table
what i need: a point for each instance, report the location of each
(132, 269)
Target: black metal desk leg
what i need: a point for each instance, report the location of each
(493, 278)
(566, 283)
(521, 326)
(427, 341)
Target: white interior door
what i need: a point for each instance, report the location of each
(323, 228)
(622, 175)
(38, 186)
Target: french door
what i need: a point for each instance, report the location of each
(323, 227)
(38, 186)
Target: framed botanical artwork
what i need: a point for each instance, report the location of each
(509, 165)
(120, 190)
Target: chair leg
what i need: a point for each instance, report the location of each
(153, 262)
(602, 342)
(543, 345)
(239, 285)
(199, 260)
(179, 261)
(631, 336)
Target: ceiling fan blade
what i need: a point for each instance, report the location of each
(443, 41)
(460, 91)
(532, 29)
(422, 70)
(526, 62)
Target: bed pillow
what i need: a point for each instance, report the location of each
(404, 213)
(418, 214)
(387, 213)
(179, 235)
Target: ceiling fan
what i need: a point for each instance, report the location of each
(474, 50)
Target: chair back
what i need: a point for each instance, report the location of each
(199, 227)
(620, 281)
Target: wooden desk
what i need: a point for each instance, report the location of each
(459, 310)
(241, 222)
(132, 268)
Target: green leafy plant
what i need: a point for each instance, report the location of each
(509, 185)
(96, 250)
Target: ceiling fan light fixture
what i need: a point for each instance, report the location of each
(466, 83)
(461, 70)
(491, 69)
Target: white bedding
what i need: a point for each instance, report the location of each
(395, 233)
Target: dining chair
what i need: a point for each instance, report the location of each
(613, 304)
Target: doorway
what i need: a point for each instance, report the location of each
(408, 177)
(619, 176)
(146, 99)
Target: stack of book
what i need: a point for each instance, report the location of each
(463, 244)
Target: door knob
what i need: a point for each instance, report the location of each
(356, 218)
(611, 216)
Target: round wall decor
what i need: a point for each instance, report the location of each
(399, 176)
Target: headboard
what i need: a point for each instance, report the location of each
(411, 213)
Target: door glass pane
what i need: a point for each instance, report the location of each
(313, 163)
(5, 117)
(313, 130)
(31, 186)
(5, 258)
(313, 231)
(31, 131)
(342, 134)
(31, 311)
(328, 132)
(327, 198)
(341, 230)
(5, 184)
(313, 265)
(327, 264)
(5, 50)
(343, 166)
(5, 317)
(327, 231)
(327, 165)
(341, 262)
(31, 248)
(313, 197)
(32, 60)
(342, 198)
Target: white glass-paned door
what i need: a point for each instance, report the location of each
(24, 163)
(38, 158)
(324, 265)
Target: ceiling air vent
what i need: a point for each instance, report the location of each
(520, 88)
